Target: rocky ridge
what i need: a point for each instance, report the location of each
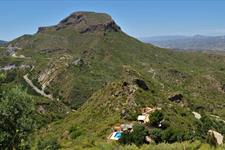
(85, 22)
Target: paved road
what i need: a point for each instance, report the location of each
(36, 88)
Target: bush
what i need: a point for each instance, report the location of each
(50, 144)
(156, 135)
(16, 117)
(75, 132)
(137, 136)
(155, 118)
(165, 124)
(206, 123)
(130, 115)
(2, 77)
(11, 76)
(172, 135)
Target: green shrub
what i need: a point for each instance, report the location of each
(155, 118)
(130, 115)
(75, 132)
(7, 77)
(156, 135)
(2, 77)
(206, 123)
(136, 137)
(48, 144)
(16, 117)
(172, 135)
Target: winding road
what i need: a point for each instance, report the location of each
(41, 92)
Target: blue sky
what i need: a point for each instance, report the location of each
(139, 18)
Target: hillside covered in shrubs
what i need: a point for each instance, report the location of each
(98, 78)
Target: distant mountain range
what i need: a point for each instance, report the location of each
(2, 42)
(197, 42)
(92, 80)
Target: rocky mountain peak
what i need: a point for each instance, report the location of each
(85, 22)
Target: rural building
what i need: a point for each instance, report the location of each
(144, 118)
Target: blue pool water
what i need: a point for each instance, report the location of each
(118, 135)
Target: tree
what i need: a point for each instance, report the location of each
(137, 136)
(2, 77)
(172, 135)
(156, 135)
(16, 117)
(48, 144)
(155, 118)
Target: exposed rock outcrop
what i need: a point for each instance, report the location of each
(177, 73)
(217, 136)
(50, 50)
(141, 84)
(78, 62)
(223, 87)
(197, 115)
(111, 26)
(84, 22)
(176, 98)
(10, 50)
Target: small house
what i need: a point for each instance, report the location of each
(144, 118)
(126, 127)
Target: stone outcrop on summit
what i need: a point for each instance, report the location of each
(84, 22)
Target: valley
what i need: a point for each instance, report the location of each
(86, 76)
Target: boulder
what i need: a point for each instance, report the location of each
(223, 87)
(65, 135)
(41, 109)
(218, 137)
(78, 62)
(141, 84)
(176, 98)
(197, 115)
(177, 73)
(148, 139)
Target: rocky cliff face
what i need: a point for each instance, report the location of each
(84, 22)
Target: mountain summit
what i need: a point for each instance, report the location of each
(98, 77)
(85, 22)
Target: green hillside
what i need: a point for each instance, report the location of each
(97, 76)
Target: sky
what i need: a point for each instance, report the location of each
(138, 18)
